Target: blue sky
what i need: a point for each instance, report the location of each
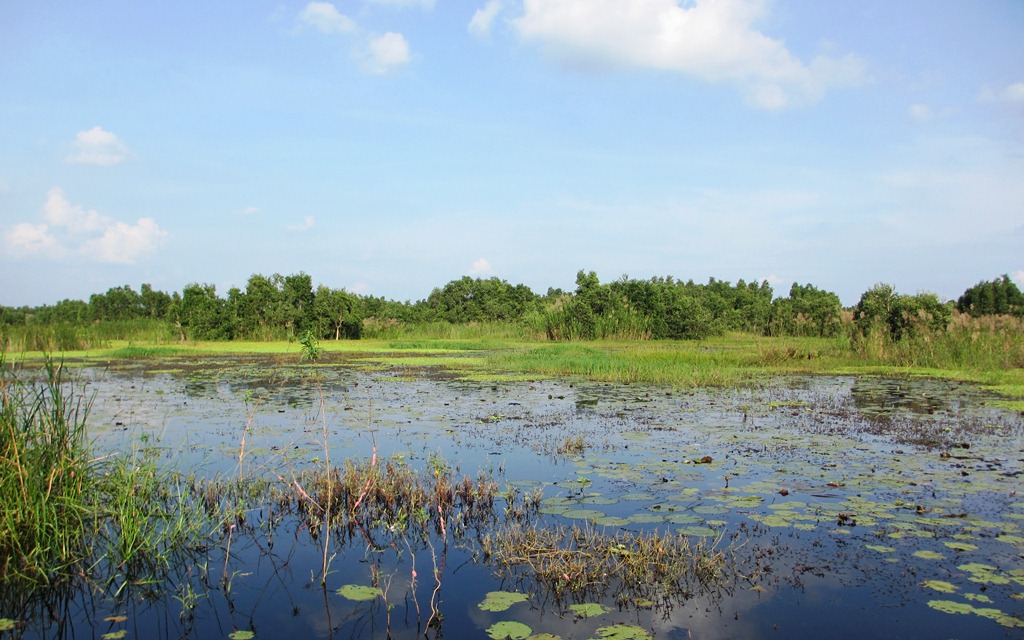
(390, 146)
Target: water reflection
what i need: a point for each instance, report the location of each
(769, 470)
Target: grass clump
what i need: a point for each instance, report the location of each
(47, 478)
(393, 497)
(66, 516)
(584, 561)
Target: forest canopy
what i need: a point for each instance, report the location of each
(279, 307)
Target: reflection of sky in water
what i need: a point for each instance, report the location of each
(885, 452)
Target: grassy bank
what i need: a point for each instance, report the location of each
(987, 353)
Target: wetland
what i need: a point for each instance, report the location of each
(361, 499)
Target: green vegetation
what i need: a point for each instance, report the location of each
(274, 308)
(660, 330)
(64, 512)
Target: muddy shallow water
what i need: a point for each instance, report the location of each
(858, 507)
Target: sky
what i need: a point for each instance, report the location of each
(388, 147)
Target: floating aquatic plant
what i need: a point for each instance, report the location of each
(501, 600)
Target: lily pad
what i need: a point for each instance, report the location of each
(6, 624)
(114, 635)
(622, 632)
(939, 585)
(359, 593)
(960, 546)
(948, 606)
(502, 600)
(583, 514)
(928, 555)
(612, 521)
(588, 610)
(509, 629)
(242, 635)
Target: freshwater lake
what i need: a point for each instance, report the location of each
(851, 507)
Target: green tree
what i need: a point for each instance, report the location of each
(336, 314)
(997, 297)
(875, 307)
(201, 315)
(480, 300)
(154, 304)
(881, 309)
(118, 303)
(297, 293)
(808, 311)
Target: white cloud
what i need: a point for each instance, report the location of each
(481, 267)
(1018, 277)
(710, 40)
(920, 112)
(124, 244)
(360, 288)
(61, 213)
(250, 211)
(25, 238)
(325, 17)
(387, 52)
(1011, 94)
(306, 225)
(482, 21)
(97, 146)
(72, 230)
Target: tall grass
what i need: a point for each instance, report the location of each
(61, 337)
(986, 343)
(66, 515)
(388, 329)
(47, 478)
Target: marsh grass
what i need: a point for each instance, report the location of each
(988, 343)
(66, 515)
(586, 561)
(639, 362)
(64, 337)
(393, 497)
(388, 329)
(47, 478)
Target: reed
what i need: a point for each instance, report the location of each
(47, 478)
(66, 515)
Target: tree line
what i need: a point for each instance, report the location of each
(279, 307)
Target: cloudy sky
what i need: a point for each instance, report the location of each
(389, 146)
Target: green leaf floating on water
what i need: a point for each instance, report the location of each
(502, 600)
(242, 635)
(948, 606)
(622, 632)
(939, 585)
(978, 597)
(960, 546)
(583, 514)
(984, 573)
(928, 555)
(114, 635)
(358, 592)
(508, 629)
(6, 624)
(588, 610)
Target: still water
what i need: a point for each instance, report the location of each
(849, 507)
